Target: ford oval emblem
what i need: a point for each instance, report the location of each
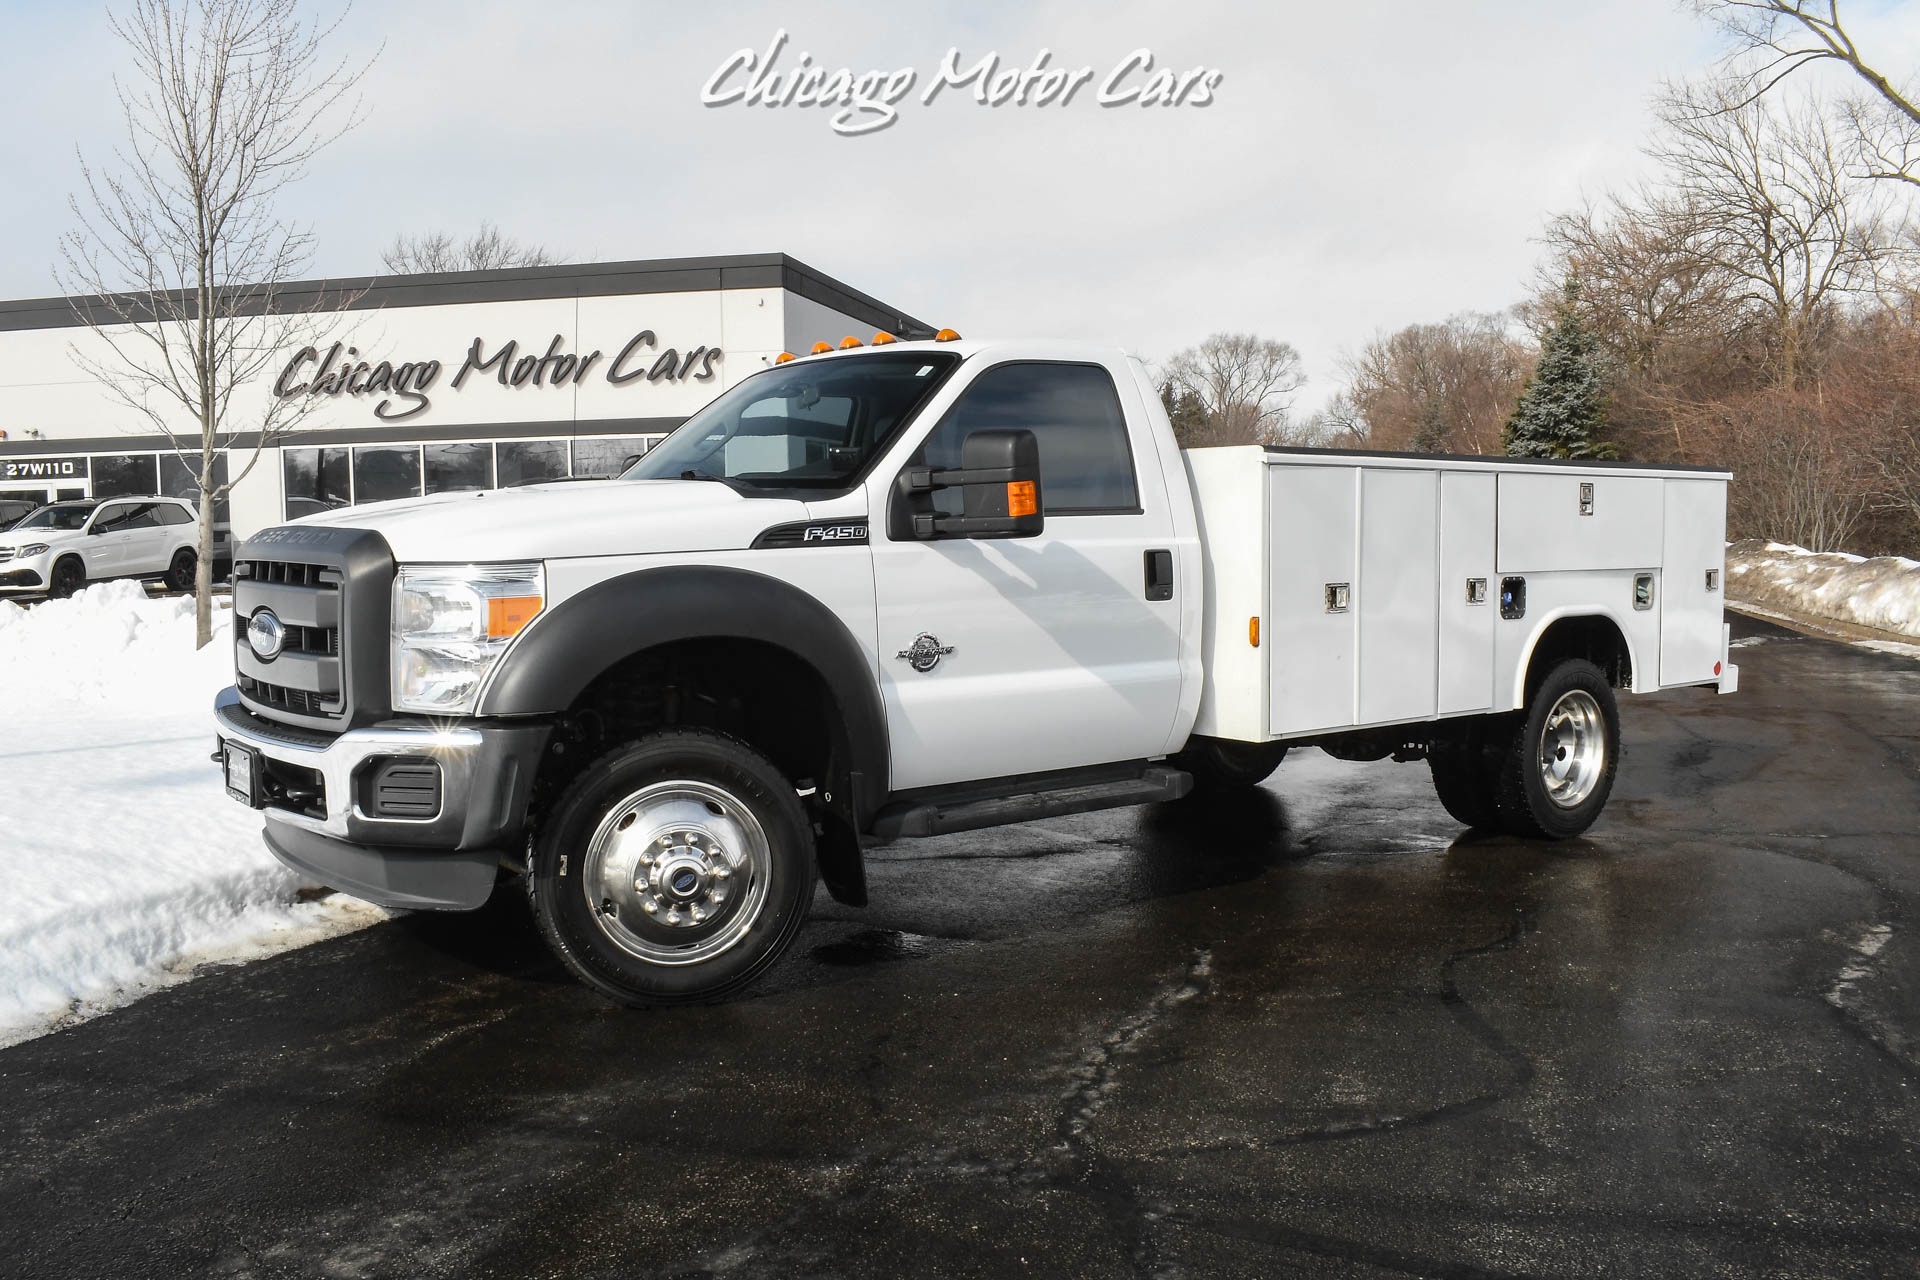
(266, 635)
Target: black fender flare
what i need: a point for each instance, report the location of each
(566, 650)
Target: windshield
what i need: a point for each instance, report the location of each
(810, 425)
(56, 518)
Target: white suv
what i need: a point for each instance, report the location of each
(62, 547)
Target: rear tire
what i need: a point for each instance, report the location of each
(675, 870)
(1466, 772)
(180, 572)
(1556, 773)
(1220, 766)
(67, 576)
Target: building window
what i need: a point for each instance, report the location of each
(531, 461)
(317, 480)
(451, 468)
(126, 475)
(382, 472)
(179, 479)
(608, 456)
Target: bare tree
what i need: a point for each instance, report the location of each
(1776, 212)
(178, 258)
(1439, 388)
(488, 249)
(1241, 385)
(1771, 39)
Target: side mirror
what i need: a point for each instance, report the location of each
(999, 477)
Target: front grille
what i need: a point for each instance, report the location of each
(6, 553)
(302, 702)
(288, 572)
(322, 641)
(306, 599)
(331, 589)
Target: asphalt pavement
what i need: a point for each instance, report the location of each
(1319, 1031)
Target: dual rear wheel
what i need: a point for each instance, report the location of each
(1544, 772)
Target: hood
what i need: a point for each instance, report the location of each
(575, 518)
(17, 538)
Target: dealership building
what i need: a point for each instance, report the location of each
(394, 386)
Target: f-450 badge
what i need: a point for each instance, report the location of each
(924, 654)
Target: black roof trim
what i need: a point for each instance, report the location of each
(1578, 464)
(570, 280)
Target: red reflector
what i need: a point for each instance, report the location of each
(1716, 668)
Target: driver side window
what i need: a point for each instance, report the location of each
(1086, 464)
(112, 519)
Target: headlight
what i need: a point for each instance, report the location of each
(32, 549)
(451, 623)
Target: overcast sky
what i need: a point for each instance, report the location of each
(1363, 165)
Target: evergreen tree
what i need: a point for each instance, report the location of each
(1563, 411)
(1430, 431)
(1186, 414)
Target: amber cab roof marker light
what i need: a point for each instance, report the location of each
(946, 335)
(784, 356)
(849, 342)
(882, 338)
(820, 348)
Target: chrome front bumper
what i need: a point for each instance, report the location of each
(486, 773)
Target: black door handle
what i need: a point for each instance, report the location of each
(1159, 575)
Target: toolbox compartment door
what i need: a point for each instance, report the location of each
(1311, 646)
(1695, 533)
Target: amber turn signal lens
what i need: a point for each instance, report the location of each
(508, 615)
(783, 357)
(1253, 632)
(946, 335)
(1021, 499)
(820, 347)
(849, 342)
(882, 338)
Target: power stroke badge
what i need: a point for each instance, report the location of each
(924, 654)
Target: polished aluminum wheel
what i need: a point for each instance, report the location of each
(1573, 748)
(677, 872)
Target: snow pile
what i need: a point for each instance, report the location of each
(125, 862)
(1882, 593)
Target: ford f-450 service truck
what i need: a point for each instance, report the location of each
(915, 588)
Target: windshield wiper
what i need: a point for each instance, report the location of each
(738, 486)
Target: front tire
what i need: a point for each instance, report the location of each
(675, 870)
(1558, 770)
(180, 572)
(66, 577)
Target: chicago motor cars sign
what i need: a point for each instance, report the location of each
(403, 388)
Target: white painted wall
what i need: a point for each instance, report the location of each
(45, 384)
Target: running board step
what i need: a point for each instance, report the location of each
(1152, 785)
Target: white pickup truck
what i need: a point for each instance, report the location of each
(910, 588)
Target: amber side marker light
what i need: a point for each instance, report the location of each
(882, 338)
(784, 356)
(820, 348)
(509, 615)
(946, 335)
(849, 342)
(1253, 632)
(1021, 499)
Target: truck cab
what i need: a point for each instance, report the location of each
(880, 591)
